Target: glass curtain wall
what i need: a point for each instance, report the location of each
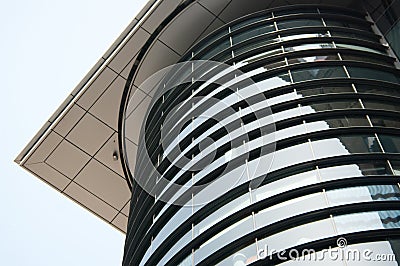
(333, 92)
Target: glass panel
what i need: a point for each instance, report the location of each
(361, 72)
(216, 49)
(275, 64)
(354, 170)
(250, 21)
(317, 73)
(365, 59)
(297, 236)
(317, 58)
(255, 57)
(258, 43)
(381, 105)
(282, 98)
(356, 36)
(308, 46)
(172, 224)
(332, 105)
(222, 213)
(395, 166)
(187, 261)
(290, 208)
(216, 36)
(245, 256)
(286, 114)
(290, 156)
(223, 238)
(290, 132)
(358, 47)
(385, 121)
(288, 37)
(375, 89)
(324, 90)
(343, 145)
(390, 143)
(285, 184)
(274, 82)
(252, 32)
(182, 242)
(348, 24)
(362, 194)
(287, 24)
(345, 121)
(365, 221)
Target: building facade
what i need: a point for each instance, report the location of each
(329, 86)
(238, 132)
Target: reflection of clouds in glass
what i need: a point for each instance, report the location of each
(338, 172)
(328, 148)
(358, 222)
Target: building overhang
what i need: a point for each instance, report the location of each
(77, 151)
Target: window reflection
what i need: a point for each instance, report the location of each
(324, 90)
(369, 104)
(290, 208)
(303, 36)
(187, 261)
(362, 72)
(348, 24)
(216, 49)
(223, 238)
(257, 57)
(357, 222)
(396, 166)
(181, 243)
(390, 143)
(255, 31)
(290, 156)
(342, 145)
(316, 58)
(298, 235)
(287, 24)
(348, 121)
(256, 44)
(358, 47)
(378, 89)
(250, 21)
(362, 194)
(365, 59)
(309, 46)
(285, 184)
(331, 105)
(222, 213)
(317, 73)
(385, 121)
(352, 35)
(354, 170)
(345, 121)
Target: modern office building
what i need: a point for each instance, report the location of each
(238, 132)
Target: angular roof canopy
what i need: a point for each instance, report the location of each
(73, 151)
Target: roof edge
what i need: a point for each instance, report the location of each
(92, 73)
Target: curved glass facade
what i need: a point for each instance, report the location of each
(330, 93)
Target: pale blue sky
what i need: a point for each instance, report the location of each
(47, 47)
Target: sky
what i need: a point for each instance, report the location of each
(47, 47)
